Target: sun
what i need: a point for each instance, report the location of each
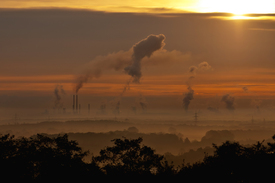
(237, 7)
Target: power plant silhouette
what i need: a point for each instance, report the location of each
(76, 106)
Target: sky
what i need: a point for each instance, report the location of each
(208, 52)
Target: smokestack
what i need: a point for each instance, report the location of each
(79, 109)
(76, 103)
(73, 102)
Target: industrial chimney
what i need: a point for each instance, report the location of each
(76, 103)
(73, 102)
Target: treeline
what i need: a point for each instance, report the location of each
(42, 159)
(172, 146)
(161, 142)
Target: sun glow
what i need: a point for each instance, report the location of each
(242, 17)
(238, 7)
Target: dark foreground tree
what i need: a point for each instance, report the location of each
(233, 162)
(41, 158)
(128, 157)
(45, 159)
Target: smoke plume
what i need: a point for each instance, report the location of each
(145, 47)
(116, 104)
(103, 107)
(143, 103)
(245, 89)
(190, 94)
(58, 91)
(127, 60)
(134, 109)
(212, 109)
(256, 103)
(204, 66)
(188, 97)
(193, 69)
(114, 61)
(229, 101)
(126, 87)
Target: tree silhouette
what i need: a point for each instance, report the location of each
(41, 158)
(128, 157)
(233, 162)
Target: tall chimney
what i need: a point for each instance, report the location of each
(73, 102)
(76, 103)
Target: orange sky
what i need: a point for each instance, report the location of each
(151, 85)
(229, 6)
(43, 48)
